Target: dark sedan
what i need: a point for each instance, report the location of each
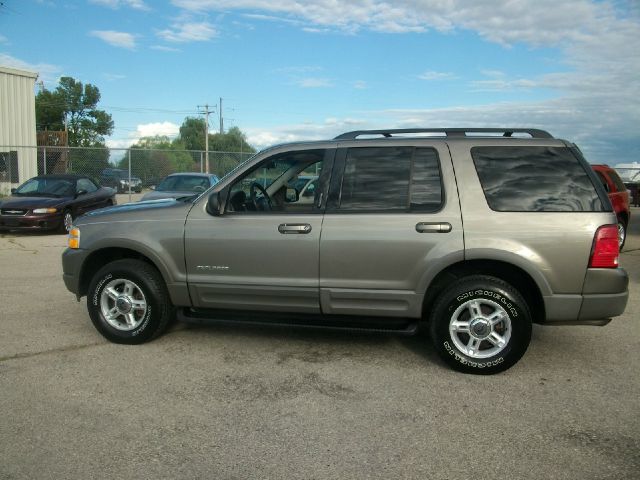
(51, 202)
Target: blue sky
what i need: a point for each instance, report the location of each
(292, 70)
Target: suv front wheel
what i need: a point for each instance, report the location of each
(128, 302)
(480, 325)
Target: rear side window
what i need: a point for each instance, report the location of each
(534, 179)
(615, 178)
(391, 178)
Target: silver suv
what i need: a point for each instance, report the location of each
(474, 233)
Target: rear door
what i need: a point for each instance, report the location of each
(392, 222)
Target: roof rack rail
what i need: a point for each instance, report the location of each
(447, 132)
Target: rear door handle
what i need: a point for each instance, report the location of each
(433, 227)
(299, 228)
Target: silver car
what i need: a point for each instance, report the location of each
(473, 234)
(182, 184)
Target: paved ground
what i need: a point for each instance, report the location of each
(237, 403)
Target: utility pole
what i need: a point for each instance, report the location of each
(221, 120)
(206, 113)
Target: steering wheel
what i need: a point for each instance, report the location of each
(265, 196)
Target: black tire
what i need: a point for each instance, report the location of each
(490, 348)
(146, 287)
(622, 232)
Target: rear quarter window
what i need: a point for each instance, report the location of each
(535, 179)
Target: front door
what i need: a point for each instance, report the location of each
(262, 253)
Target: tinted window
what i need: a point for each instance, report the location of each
(184, 183)
(617, 181)
(391, 178)
(534, 179)
(86, 185)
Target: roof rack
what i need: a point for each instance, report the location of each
(446, 132)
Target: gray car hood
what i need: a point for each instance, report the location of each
(165, 209)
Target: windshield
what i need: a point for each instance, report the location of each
(184, 183)
(629, 174)
(46, 187)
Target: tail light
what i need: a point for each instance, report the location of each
(606, 250)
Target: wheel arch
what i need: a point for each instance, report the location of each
(519, 278)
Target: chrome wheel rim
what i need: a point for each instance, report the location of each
(68, 221)
(480, 328)
(621, 234)
(123, 304)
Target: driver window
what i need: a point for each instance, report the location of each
(287, 182)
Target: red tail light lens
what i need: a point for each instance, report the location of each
(605, 251)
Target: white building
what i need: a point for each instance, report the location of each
(18, 151)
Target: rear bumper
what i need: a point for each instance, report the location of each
(605, 295)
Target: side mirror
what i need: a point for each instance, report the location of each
(14, 190)
(214, 204)
(81, 192)
(291, 195)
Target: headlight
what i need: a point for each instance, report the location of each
(73, 240)
(45, 210)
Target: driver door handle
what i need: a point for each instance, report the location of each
(299, 228)
(433, 227)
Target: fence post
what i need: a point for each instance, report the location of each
(201, 162)
(129, 175)
(45, 159)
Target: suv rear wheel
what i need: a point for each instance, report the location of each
(481, 325)
(128, 302)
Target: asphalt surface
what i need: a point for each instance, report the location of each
(239, 403)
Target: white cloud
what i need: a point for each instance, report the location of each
(47, 72)
(116, 39)
(112, 77)
(360, 85)
(431, 75)
(183, 32)
(314, 83)
(135, 4)
(168, 129)
(164, 48)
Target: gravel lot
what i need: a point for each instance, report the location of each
(239, 402)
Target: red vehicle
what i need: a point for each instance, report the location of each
(619, 196)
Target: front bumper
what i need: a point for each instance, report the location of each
(33, 222)
(72, 261)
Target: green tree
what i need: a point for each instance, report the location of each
(77, 104)
(192, 138)
(192, 133)
(153, 158)
(231, 141)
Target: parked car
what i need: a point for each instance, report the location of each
(306, 187)
(51, 202)
(619, 196)
(182, 184)
(474, 234)
(119, 179)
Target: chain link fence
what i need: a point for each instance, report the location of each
(149, 166)
(631, 178)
